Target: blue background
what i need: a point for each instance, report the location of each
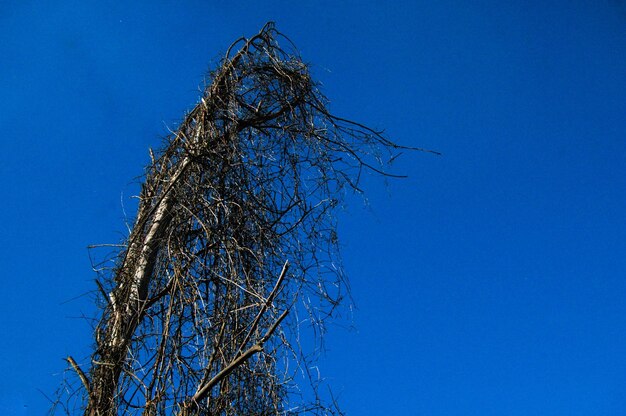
(490, 282)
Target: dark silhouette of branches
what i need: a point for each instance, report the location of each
(234, 231)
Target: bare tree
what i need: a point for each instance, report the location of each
(234, 234)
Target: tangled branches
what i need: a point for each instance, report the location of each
(234, 230)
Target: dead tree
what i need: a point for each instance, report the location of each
(234, 232)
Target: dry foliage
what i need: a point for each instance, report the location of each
(234, 233)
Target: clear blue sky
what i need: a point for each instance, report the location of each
(492, 281)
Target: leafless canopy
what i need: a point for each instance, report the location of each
(234, 233)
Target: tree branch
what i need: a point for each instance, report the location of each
(79, 372)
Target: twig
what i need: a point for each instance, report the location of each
(268, 302)
(258, 347)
